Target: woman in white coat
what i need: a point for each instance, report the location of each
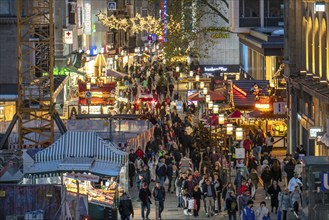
(152, 163)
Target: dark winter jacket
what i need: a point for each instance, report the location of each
(159, 194)
(126, 207)
(144, 195)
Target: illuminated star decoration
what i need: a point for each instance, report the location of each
(136, 24)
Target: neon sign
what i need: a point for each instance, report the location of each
(87, 20)
(239, 90)
(262, 105)
(213, 69)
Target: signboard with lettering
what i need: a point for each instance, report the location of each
(313, 132)
(68, 37)
(218, 32)
(87, 18)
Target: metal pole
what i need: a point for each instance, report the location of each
(229, 156)
(221, 152)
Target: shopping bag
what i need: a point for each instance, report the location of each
(279, 215)
(190, 204)
(216, 204)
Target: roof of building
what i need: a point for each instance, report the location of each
(79, 151)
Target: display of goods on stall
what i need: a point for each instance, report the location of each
(105, 196)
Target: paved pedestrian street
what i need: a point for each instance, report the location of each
(171, 211)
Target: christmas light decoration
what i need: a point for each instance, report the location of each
(136, 24)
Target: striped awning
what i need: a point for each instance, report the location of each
(80, 151)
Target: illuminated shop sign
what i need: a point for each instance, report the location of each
(213, 69)
(87, 20)
(262, 105)
(313, 132)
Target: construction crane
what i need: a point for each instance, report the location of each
(35, 46)
(35, 76)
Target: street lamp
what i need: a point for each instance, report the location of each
(205, 90)
(201, 85)
(239, 134)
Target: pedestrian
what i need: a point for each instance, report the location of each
(126, 207)
(243, 201)
(197, 195)
(131, 172)
(159, 195)
(196, 159)
(178, 184)
(296, 199)
(266, 177)
(276, 171)
(274, 191)
(269, 141)
(293, 182)
(231, 205)
(209, 194)
(188, 187)
(284, 203)
(262, 212)
(290, 168)
(248, 212)
(218, 188)
(152, 165)
(161, 170)
(145, 198)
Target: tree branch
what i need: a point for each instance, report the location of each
(216, 10)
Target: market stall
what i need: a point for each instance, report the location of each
(88, 166)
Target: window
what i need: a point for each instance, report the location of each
(249, 8)
(144, 12)
(5, 9)
(273, 8)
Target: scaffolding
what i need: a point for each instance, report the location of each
(35, 44)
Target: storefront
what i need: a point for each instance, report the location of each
(259, 109)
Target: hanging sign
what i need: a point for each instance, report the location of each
(68, 37)
(240, 153)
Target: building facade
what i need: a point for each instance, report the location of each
(259, 24)
(307, 72)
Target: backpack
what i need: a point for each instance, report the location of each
(233, 205)
(162, 171)
(272, 139)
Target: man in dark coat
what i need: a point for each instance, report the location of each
(126, 207)
(159, 194)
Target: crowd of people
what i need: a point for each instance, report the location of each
(174, 161)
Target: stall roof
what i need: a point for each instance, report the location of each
(79, 151)
(246, 100)
(214, 96)
(316, 160)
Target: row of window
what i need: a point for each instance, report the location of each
(252, 8)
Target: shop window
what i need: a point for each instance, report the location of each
(144, 12)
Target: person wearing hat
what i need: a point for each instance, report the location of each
(126, 207)
(293, 182)
(248, 212)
